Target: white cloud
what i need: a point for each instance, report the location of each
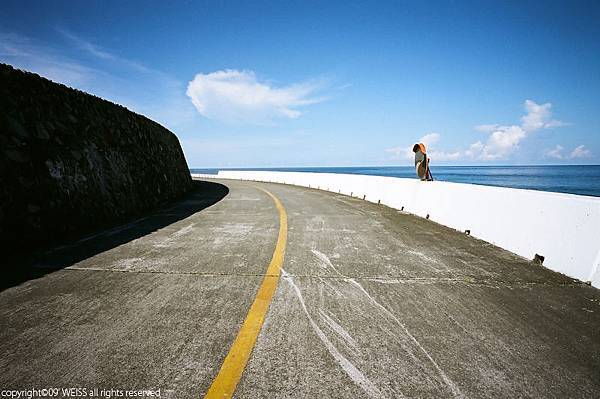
(486, 128)
(445, 155)
(580, 152)
(87, 46)
(103, 54)
(474, 150)
(24, 53)
(538, 117)
(558, 152)
(501, 142)
(53, 63)
(504, 140)
(239, 97)
(406, 152)
(429, 139)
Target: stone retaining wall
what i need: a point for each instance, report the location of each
(71, 162)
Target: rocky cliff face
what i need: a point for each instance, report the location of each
(72, 162)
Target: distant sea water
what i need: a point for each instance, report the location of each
(572, 179)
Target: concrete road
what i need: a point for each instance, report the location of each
(372, 302)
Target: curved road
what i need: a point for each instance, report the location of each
(371, 302)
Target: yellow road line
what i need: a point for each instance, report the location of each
(224, 384)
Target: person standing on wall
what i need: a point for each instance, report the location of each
(422, 162)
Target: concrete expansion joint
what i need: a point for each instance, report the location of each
(386, 279)
(213, 274)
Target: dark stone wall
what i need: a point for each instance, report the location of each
(71, 162)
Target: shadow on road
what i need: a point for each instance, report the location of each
(22, 267)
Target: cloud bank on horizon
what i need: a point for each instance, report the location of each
(502, 141)
(235, 96)
(559, 152)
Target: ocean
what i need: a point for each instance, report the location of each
(572, 179)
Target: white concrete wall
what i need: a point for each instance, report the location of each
(564, 228)
(202, 175)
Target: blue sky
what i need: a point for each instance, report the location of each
(257, 84)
